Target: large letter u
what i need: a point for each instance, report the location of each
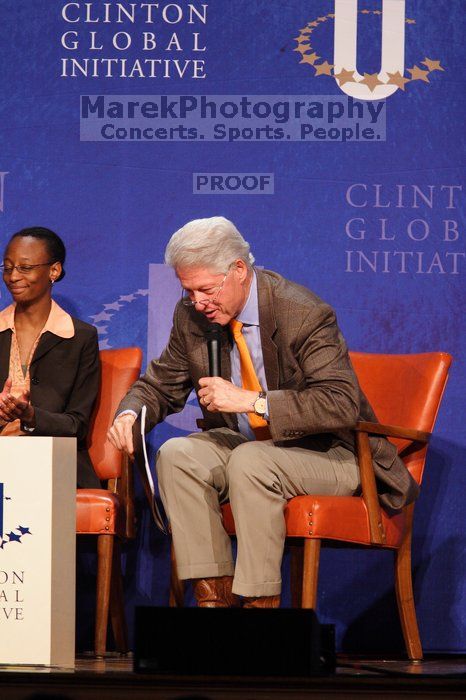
(345, 47)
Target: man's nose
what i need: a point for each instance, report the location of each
(200, 298)
(15, 274)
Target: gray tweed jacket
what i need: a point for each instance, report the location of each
(313, 394)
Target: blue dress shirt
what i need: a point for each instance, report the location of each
(249, 317)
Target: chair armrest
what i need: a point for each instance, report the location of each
(369, 491)
(368, 486)
(395, 431)
(124, 488)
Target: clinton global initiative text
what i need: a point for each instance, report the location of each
(139, 68)
(436, 239)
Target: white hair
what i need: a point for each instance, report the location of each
(214, 243)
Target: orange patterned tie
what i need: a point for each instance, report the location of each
(249, 380)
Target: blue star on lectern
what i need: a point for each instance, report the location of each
(13, 537)
(24, 530)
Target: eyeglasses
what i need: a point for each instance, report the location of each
(23, 269)
(211, 297)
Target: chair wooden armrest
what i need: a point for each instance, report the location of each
(369, 491)
(123, 486)
(395, 431)
(125, 490)
(368, 486)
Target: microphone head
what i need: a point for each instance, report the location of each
(214, 331)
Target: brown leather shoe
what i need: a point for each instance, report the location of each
(267, 601)
(215, 592)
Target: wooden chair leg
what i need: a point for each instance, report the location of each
(117, 603)
(404, 593)
(104, 575)
(297, 555)
(310, 573)
(176, 599)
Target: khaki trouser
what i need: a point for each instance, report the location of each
(199, 472)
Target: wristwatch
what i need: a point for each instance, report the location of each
(260, 404)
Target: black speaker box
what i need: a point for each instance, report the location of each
(232, 642)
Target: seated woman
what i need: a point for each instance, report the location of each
(49, 361)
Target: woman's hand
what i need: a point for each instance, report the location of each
(4, 401)
(14, 408)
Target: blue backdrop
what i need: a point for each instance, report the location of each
(374, 225)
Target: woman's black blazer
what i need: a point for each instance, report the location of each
(65, 376)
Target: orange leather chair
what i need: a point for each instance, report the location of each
(405, 392)
(108, 513)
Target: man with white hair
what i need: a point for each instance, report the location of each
(278, 420)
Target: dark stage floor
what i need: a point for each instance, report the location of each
(113, 678)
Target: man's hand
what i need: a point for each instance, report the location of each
(216, 394)
(13, 408)
(121, 433)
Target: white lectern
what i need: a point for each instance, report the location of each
(37, 550)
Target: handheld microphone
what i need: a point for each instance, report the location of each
(214, 340)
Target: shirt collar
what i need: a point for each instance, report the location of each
(59, 322)
(249, 314)
(7, 318)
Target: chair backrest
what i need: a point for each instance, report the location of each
(404, 390)
(119, 370)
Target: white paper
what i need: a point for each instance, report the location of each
(153, 500)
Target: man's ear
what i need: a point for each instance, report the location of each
(242, 269)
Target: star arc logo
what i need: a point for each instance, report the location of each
(370, 85)
(17, 533)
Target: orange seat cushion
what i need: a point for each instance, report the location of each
(98, 512)
(341, 518)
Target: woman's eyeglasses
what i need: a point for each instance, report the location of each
(23, 269)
